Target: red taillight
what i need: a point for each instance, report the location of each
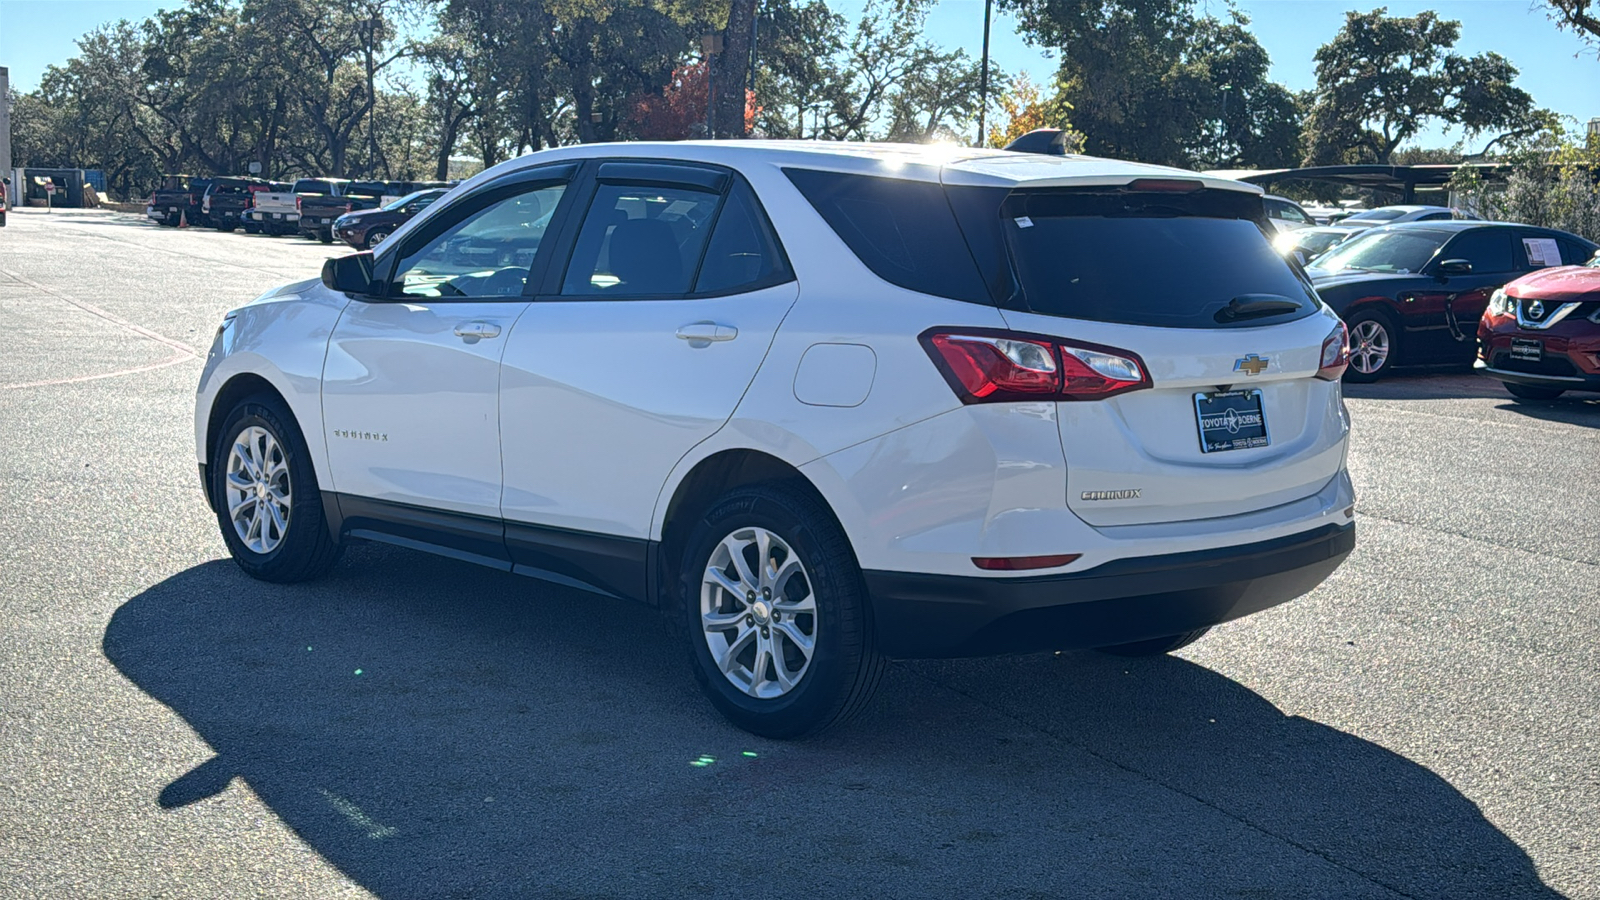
(1335, 354)
(988, 366)
(1016, 563)
(1167, 185)
(297, 204)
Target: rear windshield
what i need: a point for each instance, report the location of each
(1169, 260)
(1391, 251)
(311, 186)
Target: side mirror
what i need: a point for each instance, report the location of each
(1455, 267)
(349, 274)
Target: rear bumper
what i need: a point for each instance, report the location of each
(1122, 601)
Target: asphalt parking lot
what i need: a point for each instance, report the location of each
(1425, 724)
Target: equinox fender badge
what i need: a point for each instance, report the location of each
(1112, 495)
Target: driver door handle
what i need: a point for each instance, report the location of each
(477, 330)
(707, 332)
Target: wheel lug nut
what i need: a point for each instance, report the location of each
(777, 616)
(749, 620)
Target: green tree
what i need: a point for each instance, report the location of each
(1383, 79)
(1154, 81)
(797, 46)
(1581, 16)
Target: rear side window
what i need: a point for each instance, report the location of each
(902, 230)
(1194, 260)
(640, 241)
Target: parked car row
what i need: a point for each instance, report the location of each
(311, 207)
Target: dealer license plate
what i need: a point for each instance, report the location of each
(1230, 420)
(1524, 349)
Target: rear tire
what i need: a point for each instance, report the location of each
(325, 236)
(265, 494)
(1374, 346)
(766, 572)
(1532, 391)
(1156, 646)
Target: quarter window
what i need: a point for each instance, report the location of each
(743, 253)
(486, 254)
(640, 241)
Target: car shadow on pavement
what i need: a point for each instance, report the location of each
(437, 730)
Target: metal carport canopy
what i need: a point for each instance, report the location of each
(1402, 180)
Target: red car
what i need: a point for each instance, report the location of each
(1541, 333)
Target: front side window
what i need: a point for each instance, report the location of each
(487, 253)
(640, 241)
(1488, 250)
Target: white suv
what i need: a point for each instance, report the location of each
(824, 403)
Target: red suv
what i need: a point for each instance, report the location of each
(1541, 333)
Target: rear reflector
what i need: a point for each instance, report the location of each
(1017, 563)
(988, 366)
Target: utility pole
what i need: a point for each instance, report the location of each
(5, 131)
(983, 80)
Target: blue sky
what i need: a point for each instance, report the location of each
(1557, 68)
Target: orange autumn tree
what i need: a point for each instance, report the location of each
(1026, 108)
(679, 111)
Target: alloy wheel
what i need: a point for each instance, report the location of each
(1369, 346)
(257, 488)
(758, 614)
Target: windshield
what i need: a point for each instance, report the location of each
(1377, 215)
(407, 199)
(1394, 251)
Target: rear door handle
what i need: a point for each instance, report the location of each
(477, 330)
(706, 332)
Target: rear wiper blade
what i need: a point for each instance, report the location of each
(1250, 306)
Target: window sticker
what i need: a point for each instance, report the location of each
(1024, 222)
(1542, 251)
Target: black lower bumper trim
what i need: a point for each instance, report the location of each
(919, 615)
(1533, 379)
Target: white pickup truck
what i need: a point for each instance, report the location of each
(279, 213)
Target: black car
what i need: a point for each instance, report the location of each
(364, 229)
(1413, 293)
(226, 199)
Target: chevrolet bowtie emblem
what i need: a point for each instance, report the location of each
(1251, 365)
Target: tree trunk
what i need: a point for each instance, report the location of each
(733, 70)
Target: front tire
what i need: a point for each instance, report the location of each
(1374, 346)
(776, 613)
(1532, 391)
(252, 228)
(1156, 646)
(265, 494)
(375, 237)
